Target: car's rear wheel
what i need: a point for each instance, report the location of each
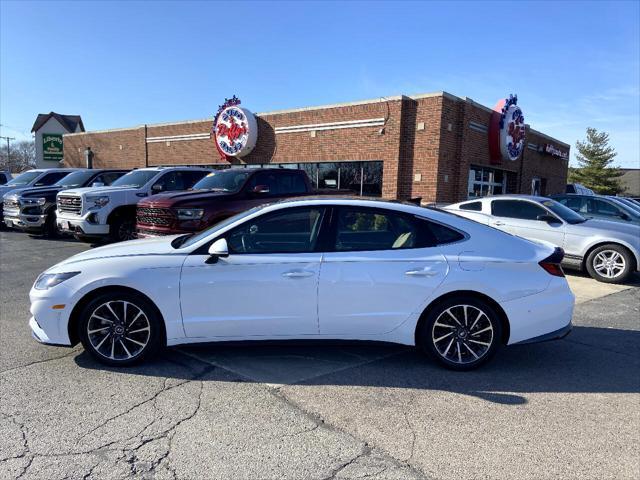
(120, 328)
(461, 333)
(610, 263)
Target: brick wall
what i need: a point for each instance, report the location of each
(426, 145)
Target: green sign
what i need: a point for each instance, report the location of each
(52, 146)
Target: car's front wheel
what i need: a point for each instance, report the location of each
(461, 333)
(122, 228)
(610, 263)
(120, 328)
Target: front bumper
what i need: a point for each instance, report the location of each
(47, 324)
(81, 225)
(15, 219)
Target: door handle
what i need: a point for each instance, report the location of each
(298, 274)
(424, 272)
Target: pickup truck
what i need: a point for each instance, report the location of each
(33, 209)
(217, 196)
(101, 213)
(38, 177)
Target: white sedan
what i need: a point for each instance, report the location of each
(311, 269)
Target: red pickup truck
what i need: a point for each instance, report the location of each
(217, 196)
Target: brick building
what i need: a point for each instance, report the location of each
(434, 146)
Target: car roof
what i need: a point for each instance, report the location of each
(535, 198)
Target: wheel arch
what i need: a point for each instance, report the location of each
(121, 211)
(74, 317)
(610, 242)
(504, 320)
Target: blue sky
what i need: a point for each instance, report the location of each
(118, 64)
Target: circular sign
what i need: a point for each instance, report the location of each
(512, 132)
(236, 131)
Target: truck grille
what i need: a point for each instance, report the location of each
(155, 216)
(70, 205)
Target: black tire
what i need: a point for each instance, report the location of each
(114, 346)
(452, 345)
(599, 269)
(122, 228)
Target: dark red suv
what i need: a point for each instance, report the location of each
(217, 196)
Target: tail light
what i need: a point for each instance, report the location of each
(552, 263)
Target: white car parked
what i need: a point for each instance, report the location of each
(315, 268)
(94, 212)
(609, 251)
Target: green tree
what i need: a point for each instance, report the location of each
(594, 159)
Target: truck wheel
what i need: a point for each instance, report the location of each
(50, 227)
(122, 228)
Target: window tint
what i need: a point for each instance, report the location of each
(264, 179)
(109, 177)
(366, 229)
(176, 180)
(444, 234)
(600, 207)
(516, 209)
(290, 231)
(193, 177)
(50, 178)
(476, 206)
(290, 183)
(574, 203)
(3, 178)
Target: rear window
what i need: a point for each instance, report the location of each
(444, 234)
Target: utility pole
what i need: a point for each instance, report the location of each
(8, 139)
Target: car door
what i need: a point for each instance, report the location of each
(267, 286)
(522, 218)
(379, 267)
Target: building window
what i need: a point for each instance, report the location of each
(487, 181)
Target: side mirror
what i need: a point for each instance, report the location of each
(260, 189)
(217, 250)
(157, 188)
(97, 184)
(548, 218)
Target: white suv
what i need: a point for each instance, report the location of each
(97, 212)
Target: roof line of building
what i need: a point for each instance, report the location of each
(549, 137)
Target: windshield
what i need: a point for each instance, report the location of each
(191, 238)
(565, 213)
(226, 181)
(24, 179)
(75, 179)
(135, 179)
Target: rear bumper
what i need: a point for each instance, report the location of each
(542, 316)
(555, 335)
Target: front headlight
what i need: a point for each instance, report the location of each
(189, 213)
(34, 201)
(48, 280)
(99, 202)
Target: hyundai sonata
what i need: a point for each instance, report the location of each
(315, 268)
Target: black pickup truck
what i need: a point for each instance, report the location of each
(33, 210)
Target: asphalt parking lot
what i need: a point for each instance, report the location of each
(563, 409)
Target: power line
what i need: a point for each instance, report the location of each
(8, 139)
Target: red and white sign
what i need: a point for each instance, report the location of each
(235, 130)
(506, 131)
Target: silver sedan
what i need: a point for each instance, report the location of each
(609, 251)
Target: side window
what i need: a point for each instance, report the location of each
(475, 206)
(267, 180)
(108, 177)
(3, 178)
(601, 207)
(290, 183)
(170, 182)
(291, 231)
(361, 229)
(193, 177)
(516, 209)
(444, 234)
(50, 179)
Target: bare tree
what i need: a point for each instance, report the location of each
(22, 156)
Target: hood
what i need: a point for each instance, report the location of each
(592, 226)
(101, 190)
(36, 191)
(148, 246)
(196, 197)
(4, 189)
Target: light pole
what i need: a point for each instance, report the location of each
(8, 139)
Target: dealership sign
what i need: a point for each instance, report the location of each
(235, 130)
(52, 146)
(506, 131)
(555, 151)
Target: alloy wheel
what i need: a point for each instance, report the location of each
(462, 334)
(609, 264)
(118, 330)
(126, 231)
